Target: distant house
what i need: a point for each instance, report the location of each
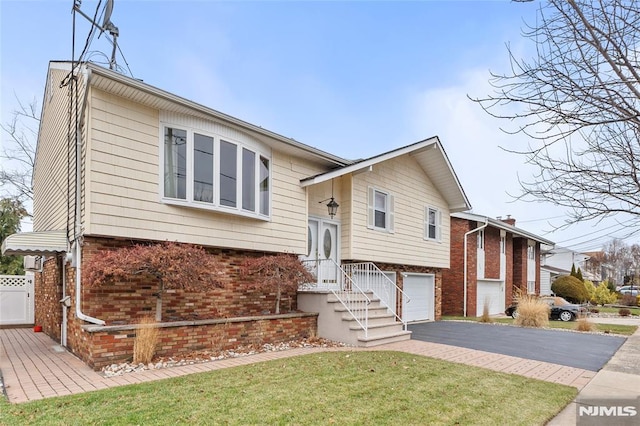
(491, 260)
(120, 162)
(559, 261)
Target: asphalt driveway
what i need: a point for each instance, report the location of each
(580, 350)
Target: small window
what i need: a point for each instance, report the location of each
(531, 252)
(503, 244)
(481, 239)
(381, 206)
(433, 219)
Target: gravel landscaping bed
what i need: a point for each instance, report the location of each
(199, 357)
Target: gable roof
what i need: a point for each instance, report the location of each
(140, 92)
(429, 153)
(503, 225)
(431, 157)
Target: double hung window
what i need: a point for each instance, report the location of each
(432, 224)
(381, 210)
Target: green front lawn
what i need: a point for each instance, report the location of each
(625, 330)
(328, 388)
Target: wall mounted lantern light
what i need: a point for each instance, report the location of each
(332, 206)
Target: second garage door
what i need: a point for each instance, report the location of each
(420, 289)
(491, 293)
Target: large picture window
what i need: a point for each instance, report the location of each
(209, 171)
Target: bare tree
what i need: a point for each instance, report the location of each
(578, 100)
(619, 256)
(18, 154)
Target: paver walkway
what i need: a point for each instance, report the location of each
(33, 366)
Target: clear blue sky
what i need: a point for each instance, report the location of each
(351, 78)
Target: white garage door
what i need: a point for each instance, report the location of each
(420, 288)
(491, 293)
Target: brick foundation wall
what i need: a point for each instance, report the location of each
(107, 345)
(48, 292)
(125, 302)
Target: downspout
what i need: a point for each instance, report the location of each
(77, 245)
(486, 223)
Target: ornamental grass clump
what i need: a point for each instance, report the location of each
(583, 324)
(485, 312)
(144, 344)
(532, 312)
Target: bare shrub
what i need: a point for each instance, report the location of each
(624, 312)
(583, 324)
(144, 345)
(532, 312)
(485, 312)
(628, 300)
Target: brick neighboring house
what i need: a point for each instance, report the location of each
(500, 260)
(144, 165)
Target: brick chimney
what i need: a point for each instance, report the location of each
(511, 221)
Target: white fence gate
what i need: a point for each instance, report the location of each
(16, 300)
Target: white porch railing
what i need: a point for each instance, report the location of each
(346, 281)
(370, 277)
(331, 276)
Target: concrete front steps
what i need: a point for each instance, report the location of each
(337, 324)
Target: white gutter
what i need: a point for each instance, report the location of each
(486, 223)
(77, 234)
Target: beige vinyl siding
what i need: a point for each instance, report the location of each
(319, 196)
(50, 179)
(125, 199)
(403, 178)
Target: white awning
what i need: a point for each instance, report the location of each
(35, 243)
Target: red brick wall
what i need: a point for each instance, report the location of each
(508, 281)
(105, 346)
(453, 278)
(48, 292)
(519, 265)
(124, 302)
(453, 294)
(492, 253)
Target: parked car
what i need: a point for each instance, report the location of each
(560, 309)
(633, 290)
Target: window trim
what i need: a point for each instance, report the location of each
(438, 223)
(189, 201)
(389, 210)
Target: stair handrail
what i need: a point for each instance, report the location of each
(351, 267)
(345, 294)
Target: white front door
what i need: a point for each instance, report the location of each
(322, 251)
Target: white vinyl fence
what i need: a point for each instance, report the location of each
(16, 300)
